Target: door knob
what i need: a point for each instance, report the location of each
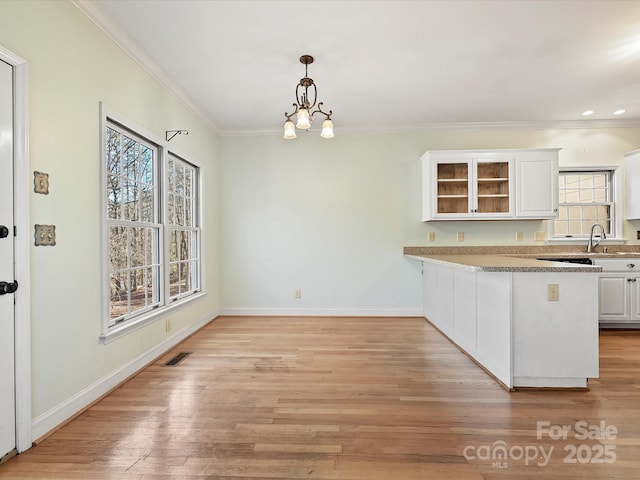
(8, 287)
(4, 231)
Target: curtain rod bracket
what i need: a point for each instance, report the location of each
(168, 137)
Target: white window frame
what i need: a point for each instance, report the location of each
(194, 229)
(152, 260)
(616, 235)
(166, 305)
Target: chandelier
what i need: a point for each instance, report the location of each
(304, 106)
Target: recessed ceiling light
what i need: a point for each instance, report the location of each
(586, 113)
(619, 112)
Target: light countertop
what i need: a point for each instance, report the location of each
(515, 258)
(504, 263)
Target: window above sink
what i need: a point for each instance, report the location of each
(587, 196)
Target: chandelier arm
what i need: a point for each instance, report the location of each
(295, 105)
(319, 109)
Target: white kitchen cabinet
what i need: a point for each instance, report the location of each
(504, 321)
(462, 185)
(489, 184)
(619, 292)
(632, 175)
(537, 184)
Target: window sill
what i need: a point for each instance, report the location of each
(582, 241)
(120, 331)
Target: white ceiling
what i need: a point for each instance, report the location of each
(388, 65)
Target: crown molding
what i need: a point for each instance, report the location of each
(122, 40)
(461, 127)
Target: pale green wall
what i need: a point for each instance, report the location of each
(330, 217)
(73, 67)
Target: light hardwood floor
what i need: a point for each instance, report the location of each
(341, 398)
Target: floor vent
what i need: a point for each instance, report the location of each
(177, 359)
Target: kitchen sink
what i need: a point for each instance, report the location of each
(581, 260)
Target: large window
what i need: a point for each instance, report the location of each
(152, 231)
(585, 198)
(183, 229)
(134, 230)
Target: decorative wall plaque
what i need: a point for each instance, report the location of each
(41, 183)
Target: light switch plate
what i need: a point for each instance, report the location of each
(461, 236)
(45, 235)
(41, 183)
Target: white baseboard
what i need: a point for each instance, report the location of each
(55, 416)
(321, 312)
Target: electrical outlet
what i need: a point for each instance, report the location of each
(298, 294)
(553, 292)
(518, 236)
(539, 236)
(431, 236)
(167, 325)
(461, 236)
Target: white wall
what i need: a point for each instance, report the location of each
(73, 67)
(330, 217)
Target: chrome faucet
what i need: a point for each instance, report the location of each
(593, 244)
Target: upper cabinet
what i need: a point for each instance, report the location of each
(632, 175)
(537, 184)
(489, 184)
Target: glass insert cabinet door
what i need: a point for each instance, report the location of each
(475, 188)
(492, 187)
(454, 188)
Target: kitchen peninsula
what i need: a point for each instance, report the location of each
(528, 322)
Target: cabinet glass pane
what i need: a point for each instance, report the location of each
(453, 188)
(492, 186)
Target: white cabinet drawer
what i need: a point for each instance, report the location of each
(619, 265)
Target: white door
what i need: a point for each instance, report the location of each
(7, 331)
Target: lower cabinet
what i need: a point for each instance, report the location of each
(504, 321)
(619, 293)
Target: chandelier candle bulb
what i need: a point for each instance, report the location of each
(289, 130)
(303, 119)
(327, 129)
